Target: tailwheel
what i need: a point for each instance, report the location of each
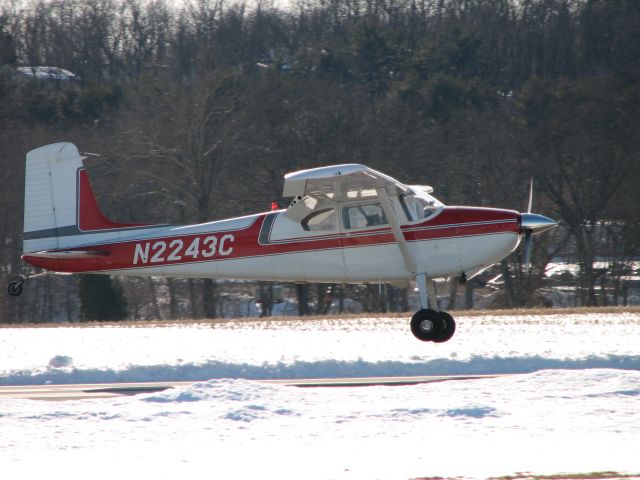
(426, 325)
(15, 288)
(448, 328)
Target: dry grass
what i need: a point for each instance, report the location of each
(569, 476)
(343, 317)
(559, 476)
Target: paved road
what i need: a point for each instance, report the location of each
(105, 390)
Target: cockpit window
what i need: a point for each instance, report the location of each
(360, 216)
(325, 219)
(419, 207)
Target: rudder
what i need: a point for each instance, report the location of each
(50, 200)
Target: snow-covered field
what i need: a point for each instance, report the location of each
(575, 407)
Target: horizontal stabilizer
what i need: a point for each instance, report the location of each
(68, 254)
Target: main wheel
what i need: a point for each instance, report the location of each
(426, 325)
(448, 328)
(15, 288)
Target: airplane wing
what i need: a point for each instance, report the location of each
(340, 183)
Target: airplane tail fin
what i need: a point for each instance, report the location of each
(60, 210)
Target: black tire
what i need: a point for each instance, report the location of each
(448, 328)
(426, 325)
(15, 288)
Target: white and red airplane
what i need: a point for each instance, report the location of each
(346, 224)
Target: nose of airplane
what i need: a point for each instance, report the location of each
(535, 223)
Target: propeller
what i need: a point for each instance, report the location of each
(528, 232)
(532, 224)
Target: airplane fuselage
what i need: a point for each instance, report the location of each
(270, 246)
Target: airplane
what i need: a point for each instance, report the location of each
(345, 224)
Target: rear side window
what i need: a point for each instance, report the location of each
(361, 216)
(322, 220)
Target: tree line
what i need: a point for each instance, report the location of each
(197, 110)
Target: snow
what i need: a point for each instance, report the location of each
(573, 407)
(45, 73)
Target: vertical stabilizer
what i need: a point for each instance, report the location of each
(60, 210)
(50, 203)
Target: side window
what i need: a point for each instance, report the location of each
(360, 216)
(321, 220)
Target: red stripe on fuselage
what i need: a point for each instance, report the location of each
(230, 245)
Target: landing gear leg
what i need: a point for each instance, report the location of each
(428, 324)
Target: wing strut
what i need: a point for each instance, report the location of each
(397, 232)
(426, 286)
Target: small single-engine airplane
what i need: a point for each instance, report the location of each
(346, 224)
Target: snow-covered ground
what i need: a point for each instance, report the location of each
(574, 408)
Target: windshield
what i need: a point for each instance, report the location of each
(419, 205)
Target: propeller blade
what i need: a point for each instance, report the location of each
(530, 196)
(527, 249)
